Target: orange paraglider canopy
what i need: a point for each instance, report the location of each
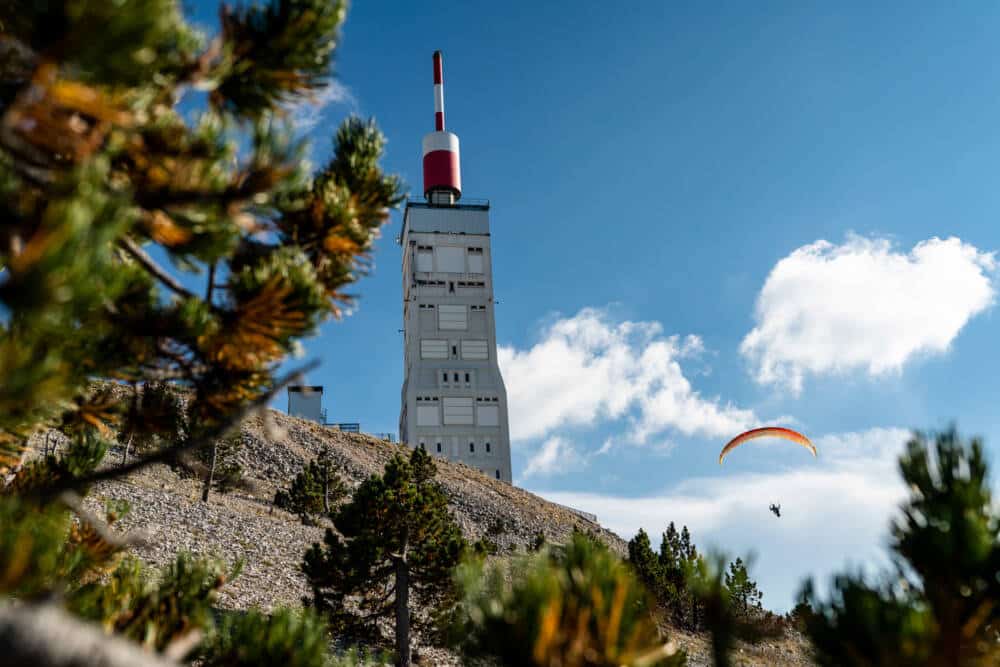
(767, 432)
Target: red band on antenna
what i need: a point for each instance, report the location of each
(438, 76)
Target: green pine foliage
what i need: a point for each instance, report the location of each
(575, 605)
(218, 465)
(170, 242)
(484, 547)
(682, 581)
(395, 536)
(314, 492)
(940, 606)
(706, 582)
(155, 418)
(538, 542)
(35, 552)
(744, 595)
(44, 547)
(291, 638)
(665, 574)
(100, 175)
(800, 614)
(157, 614)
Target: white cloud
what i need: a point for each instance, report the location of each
(306, 114)
(834, 511)
(557, 454)
(587, 369)
(864, 306)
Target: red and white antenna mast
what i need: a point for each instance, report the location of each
(442, 170)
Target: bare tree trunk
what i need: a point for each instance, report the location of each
(326, 492)
(49, 637)
(133, 410)
(211, 474)
(47, 434)
(128, 444)
(402, 613)
(211, 284)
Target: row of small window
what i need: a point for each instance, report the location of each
(479, 399)
(449, 259)
(450, 283)
(471, 249)
(451, 378)
(472, 447)
(457, 411)
(472, 350)
(496, 473)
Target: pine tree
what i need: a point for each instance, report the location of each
(743, 592)
(151, 239)
(666, 574)
(154, 418)
(648, 567)
(154, 614)
(314, 492)
(397, 535)
(940, 606)
(101, 177)
(222, 470)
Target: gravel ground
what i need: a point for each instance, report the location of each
(245, 526)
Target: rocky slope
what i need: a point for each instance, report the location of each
(244, 525)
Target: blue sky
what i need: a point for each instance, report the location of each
(704, 217)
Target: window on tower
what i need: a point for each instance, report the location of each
(475, 350)
(488, 415)
(451, 317)
(458, 410)
(472, 448)
(451, 259)
(425, 258)
(433, 349)
(476, 260)
(428, 415)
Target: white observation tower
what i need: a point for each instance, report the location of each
(454, 403)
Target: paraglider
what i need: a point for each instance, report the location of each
(776, 509)
(767, 432)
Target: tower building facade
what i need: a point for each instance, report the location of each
(454, 403)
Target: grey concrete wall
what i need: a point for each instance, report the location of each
(447, 233)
